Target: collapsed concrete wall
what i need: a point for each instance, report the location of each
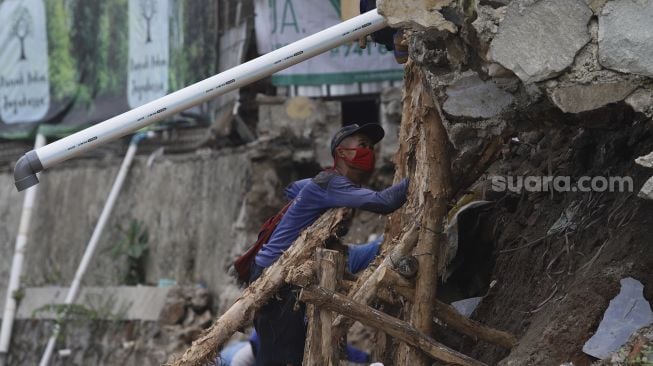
(567, 86)
(520, 65)
(200, 210)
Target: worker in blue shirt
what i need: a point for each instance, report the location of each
(280, 323)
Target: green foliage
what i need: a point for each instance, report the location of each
(134, 245)
(19, 294)
(134, 242)
(62, 68)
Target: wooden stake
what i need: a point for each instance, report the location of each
(320, 347)
(401, 330)
(204, 349)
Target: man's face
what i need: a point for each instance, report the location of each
(352, 142)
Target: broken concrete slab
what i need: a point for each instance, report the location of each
(418, 14)
(627, 312)
(303, 118)
(486, 26)
(539, 40)
(642, 101)
(646, 160)
(472, 97)
(647, 190)
(580, 98)
(626, 36)
(123, 302)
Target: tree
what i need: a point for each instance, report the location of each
(148, 10)
(21, 28)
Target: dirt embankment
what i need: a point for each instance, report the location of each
(553, 286)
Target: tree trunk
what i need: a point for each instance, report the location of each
(433, 171)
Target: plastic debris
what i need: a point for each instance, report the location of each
(466, 307)
(627, 312)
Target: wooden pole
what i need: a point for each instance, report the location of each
(458, 322)
(320, 347)
(204, 349)
(365, 288)
(394, 327)
(434, 169)
(445, 313)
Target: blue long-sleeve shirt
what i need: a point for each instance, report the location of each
(313, 197)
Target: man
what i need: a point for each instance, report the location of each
(280, 323)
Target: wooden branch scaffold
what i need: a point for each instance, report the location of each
(416, 229)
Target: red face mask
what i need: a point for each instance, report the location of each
(363, 160)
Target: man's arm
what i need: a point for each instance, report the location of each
(341, 192)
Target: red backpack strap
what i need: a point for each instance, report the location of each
(243, 263)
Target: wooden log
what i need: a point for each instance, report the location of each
(458, 322)
(394, 327)
(434, 166)
(331, 270)
(205, 348)
(444, 312)
(366, 286)
(320, 347)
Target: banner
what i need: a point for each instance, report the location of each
(70, 64)
(148, 51)
(281, 22)
(24, 82)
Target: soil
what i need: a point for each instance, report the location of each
(551, 290)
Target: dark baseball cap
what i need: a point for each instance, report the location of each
(372, 130)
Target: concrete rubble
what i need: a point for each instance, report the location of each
(424, 14)
(642, 101)
(513, 66)
(532, 45)
(139, 325)
(627, 46)
(580, 98)
(646, 192)
(472, 97)
(302, 119)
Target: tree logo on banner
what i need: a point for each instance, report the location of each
(21, 28)
(148, 10)
(149, 55)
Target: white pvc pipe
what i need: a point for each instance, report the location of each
(17, 261)
(210, 88)
(92, 244)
